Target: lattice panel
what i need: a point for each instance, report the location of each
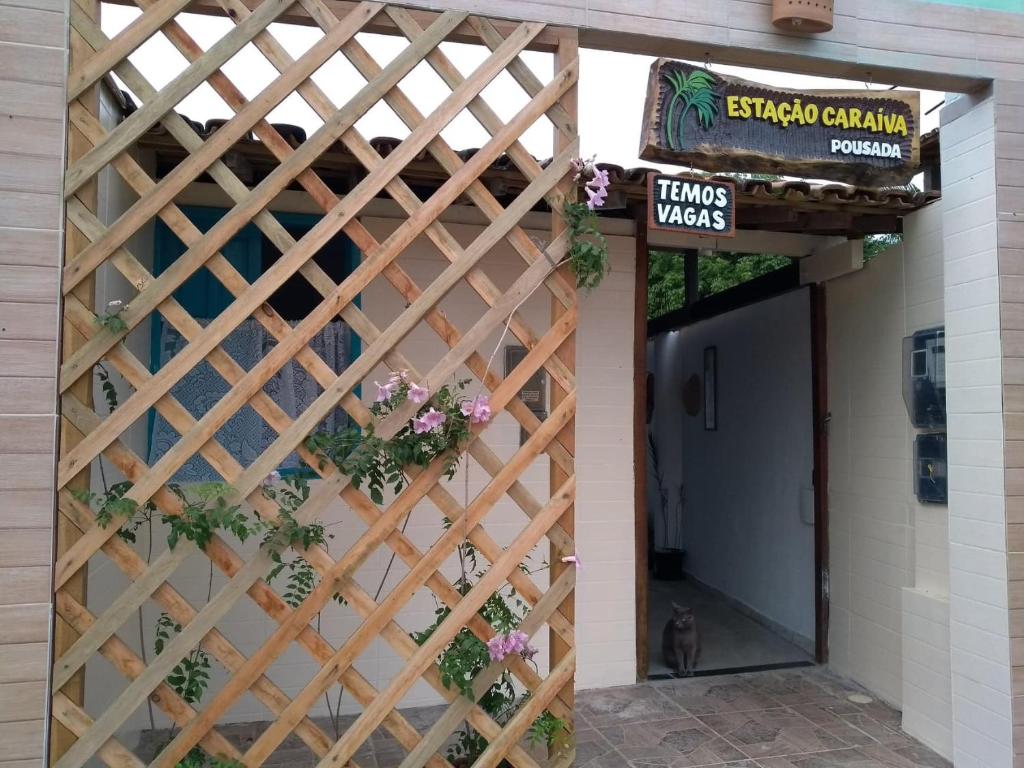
(96, 340)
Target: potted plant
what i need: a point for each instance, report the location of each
(668, 549)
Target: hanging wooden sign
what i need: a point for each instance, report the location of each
(725, 124)
(691, 204)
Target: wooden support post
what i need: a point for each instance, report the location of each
(567, 51)
(61, 738)
(691, 277)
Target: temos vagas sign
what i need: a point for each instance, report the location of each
(687, 204)
(719, 123)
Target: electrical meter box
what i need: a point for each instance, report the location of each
(924, 378)
(930, 481)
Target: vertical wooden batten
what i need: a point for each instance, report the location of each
(566, 53)
(72, 339)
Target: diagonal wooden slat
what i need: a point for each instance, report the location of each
(137, 123)
(130, 665)
(164, 379)
(222, 140)
(168, 561)
(178, 609)
(317, 237)
(225, 559)
(76, 720)
(516, 728)
(438, 734)
(127, 41)
(219, 460)
(345, 747)
(248, 573)
(104, 247)
(396, 188)
(440, 551)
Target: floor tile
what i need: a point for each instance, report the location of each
(678, 743)
(788, 687)
(840, 720)
(594, 751)
(629, 704)
(843, 758)
(914, 755)
(770, 733)
(708, 695)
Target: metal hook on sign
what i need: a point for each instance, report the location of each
(707, 60)
(870, 81)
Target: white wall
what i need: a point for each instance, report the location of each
(980, 645)
(605, 592)
(889, 626)
(748, 516)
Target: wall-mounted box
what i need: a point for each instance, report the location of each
(924, 378)
(931, 485)
(534, 393)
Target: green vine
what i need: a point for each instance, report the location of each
(111, 319)
(190, 677)
(368, 459)
(301, 576)
(204, 511)
(466, 656)
(588, 248)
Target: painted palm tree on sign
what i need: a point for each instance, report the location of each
(692, 91)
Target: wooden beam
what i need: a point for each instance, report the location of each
(297, 15)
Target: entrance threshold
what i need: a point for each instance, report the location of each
(733, 670)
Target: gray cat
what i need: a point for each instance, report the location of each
(680, 641)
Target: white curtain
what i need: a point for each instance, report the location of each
(246, 435)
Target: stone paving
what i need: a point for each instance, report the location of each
(799, 718)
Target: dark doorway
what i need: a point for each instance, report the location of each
(742, 539)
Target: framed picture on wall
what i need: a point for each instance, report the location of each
(710, 388)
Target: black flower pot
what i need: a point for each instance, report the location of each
(668, 564)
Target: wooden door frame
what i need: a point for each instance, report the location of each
(820, 419)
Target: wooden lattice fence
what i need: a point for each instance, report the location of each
(95, 339)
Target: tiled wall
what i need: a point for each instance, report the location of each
(888, 553)
(870, 519)
(32, 55)
(979, 641)
(1009, 177)
(927, 695)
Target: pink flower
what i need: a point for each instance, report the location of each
(271, 479)
(418, 394)
(574, 559)
(478, 409)
(430, 420)
(496, 648)
(595, 197)
(516, 641)
(385, 391)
